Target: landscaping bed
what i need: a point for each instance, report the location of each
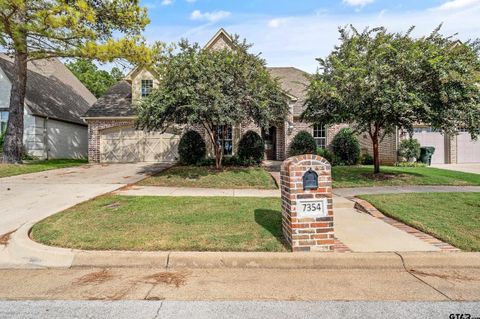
(362, 176)
(38, 166)
(451, 217)
(113, 222)
(209, 177)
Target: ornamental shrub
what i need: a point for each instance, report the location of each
(409, 149)
(346, 148)
(366, 159)
(326, 154)
(191, 148)
(251, 148)
(303, 143)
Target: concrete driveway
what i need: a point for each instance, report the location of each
(32, 197)
(467, 168)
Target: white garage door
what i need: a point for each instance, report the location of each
(426, 136)
(126, 145)
(468, 150)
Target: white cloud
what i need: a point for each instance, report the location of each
(458, 4)
(300, 39)
(357, 3)
(213, 16)
(275, 23)
(167, 2)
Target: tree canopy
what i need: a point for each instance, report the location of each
(380, 82)
(96, 80)
(213, 88)
(93, 29)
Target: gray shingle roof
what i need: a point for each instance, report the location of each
(52, 90)
(294, 82)
(116, 102)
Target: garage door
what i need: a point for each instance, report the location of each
(468, 150)
(426, 136)
(127, 145)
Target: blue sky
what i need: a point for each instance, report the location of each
(295, 32)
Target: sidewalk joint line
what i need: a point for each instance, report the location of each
(420, 279)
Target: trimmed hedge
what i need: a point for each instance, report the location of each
(191, 148)
(251, 147)
(345, 147)
(303, 143)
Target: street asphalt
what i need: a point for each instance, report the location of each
(236, 309)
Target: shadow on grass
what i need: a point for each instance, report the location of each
(271, 220)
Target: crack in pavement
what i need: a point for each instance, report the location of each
(157, 315)
(420, 279)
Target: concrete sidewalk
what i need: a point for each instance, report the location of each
(354, 191)
(191, 191)
(365, 233)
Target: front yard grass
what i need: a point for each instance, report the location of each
(113, 222)
(360, 176)
(38, 166)
(451, 217)
(209, 177)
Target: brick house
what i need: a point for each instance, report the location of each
(113, 138)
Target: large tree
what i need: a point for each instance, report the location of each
(380, 82)
(213, 89)
(96, 80)
(39, 29)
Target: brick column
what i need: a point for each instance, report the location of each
(307, 214)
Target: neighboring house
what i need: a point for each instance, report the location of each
(113, 137)
(54, 103)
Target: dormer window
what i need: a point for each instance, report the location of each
(147, 87)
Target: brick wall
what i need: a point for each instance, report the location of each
(387, 148)
(94, 129)
(301, 233)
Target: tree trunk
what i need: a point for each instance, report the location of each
(13, 145)
(376, 157)
(217, 150)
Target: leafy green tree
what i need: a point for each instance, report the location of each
(96, 80)
(213, 88)
(35, 29)
(380, 82)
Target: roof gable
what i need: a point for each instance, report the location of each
(220, 40)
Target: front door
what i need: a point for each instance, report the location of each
(270, 138)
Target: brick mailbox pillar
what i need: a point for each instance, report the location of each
(307, 213)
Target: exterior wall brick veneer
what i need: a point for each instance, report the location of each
(306, 234)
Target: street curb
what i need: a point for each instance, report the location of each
(27, 254)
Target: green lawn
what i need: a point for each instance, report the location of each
(166, 223)
(37, 166)
(358, 176)
(451, 217)
(209, 177)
